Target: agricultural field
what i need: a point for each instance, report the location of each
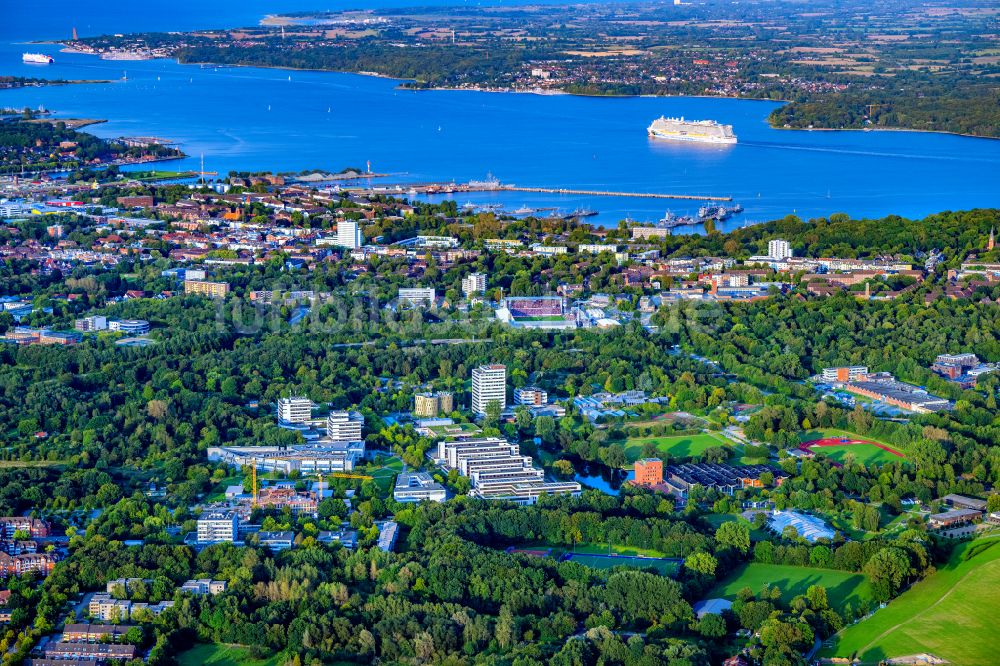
(221, 655)
(678, 446)
(951, 614)
(841, 586)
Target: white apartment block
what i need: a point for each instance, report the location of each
(218, 526)
(779, 249)
(489, 384)
(416, 296)
(294, 409)
(531, 396)
(597, 248)
(344, 425)
(349, 234)
(473, 283)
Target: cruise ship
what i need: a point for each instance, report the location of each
(699, 131)
(37, 58)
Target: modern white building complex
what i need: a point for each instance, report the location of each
(294, 410)
(344, 425)
(324, 456)
(349, 234)
(218, 526)
(489, 384)
(417, 487)
(130, 326)
(474, 283)
(497, 470)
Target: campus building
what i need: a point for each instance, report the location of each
(218, 526)
(489, 384)
(649, 472)
(129, 326)
(531, 396)
(344, 425)
(890, 391)
(417, 487)
(497, 470)
(432, 404)
(324, 456)
(294, 410)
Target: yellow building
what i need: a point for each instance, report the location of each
(213, 289)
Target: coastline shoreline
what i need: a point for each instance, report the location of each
(553, 93)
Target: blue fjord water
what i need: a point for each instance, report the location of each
(260, 119)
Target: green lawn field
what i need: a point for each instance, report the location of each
(665, 567)
(221, 655)
(841, 586)
(866, 454)
(823, 433)
(952, 614)
(678, 446)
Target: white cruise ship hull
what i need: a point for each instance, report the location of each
(729, 140)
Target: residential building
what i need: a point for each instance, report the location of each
(597, 248)
(473, 283)
(489, 384)
(295, 409)
(417, 487)
(349, 234)
(416, 296)
(649, 471)
(779, 249)
(844, 373)
(530, 395)
(344, 426)
(206, 288)
(104, 607)
(15, 565)
(33, 527)
(218, 526)
(129, 326)
(93, 633)
(96, 653)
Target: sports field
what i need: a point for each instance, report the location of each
(221, 655)
(678, 446)
(841, 586)
(605, 561)
(952, 614)
(837, 444)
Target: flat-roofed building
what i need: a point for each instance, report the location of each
(206, 288)
(203, 586)
(963, 502)
(474, 283)
(417, 487)
(276, 541)
(344, 425)
(416, 296)
(294, 409)
(129, 326)
(92, 633)
(93, 652)
(531, 396)
(218, 527)
(324, 456)
(489, 384)
(844, 373)
(649, 471)
(426, 404)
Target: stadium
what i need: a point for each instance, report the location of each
(535, 312)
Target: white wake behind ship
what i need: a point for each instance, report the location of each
(37, 58)
(698, 131)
